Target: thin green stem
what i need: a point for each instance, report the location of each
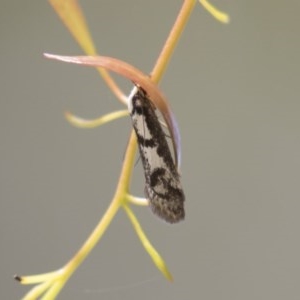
(121, 195)
(117, 201)
(125, 176)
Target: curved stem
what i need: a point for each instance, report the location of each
(121, 194)
(125, 176)
(117, 201)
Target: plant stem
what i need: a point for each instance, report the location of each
(171, 42)
(126, 171)
(121, 192)
(125, 176)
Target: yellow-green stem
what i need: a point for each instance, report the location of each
(125, 175)
(126, 172)
(117, 201)
(172, 40)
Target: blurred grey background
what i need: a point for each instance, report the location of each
(235, 91)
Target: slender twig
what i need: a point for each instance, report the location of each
(172, 40)
(124, 180)
(56, 280)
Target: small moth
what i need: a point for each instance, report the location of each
(163, 187)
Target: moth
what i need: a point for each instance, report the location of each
(162, 181)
